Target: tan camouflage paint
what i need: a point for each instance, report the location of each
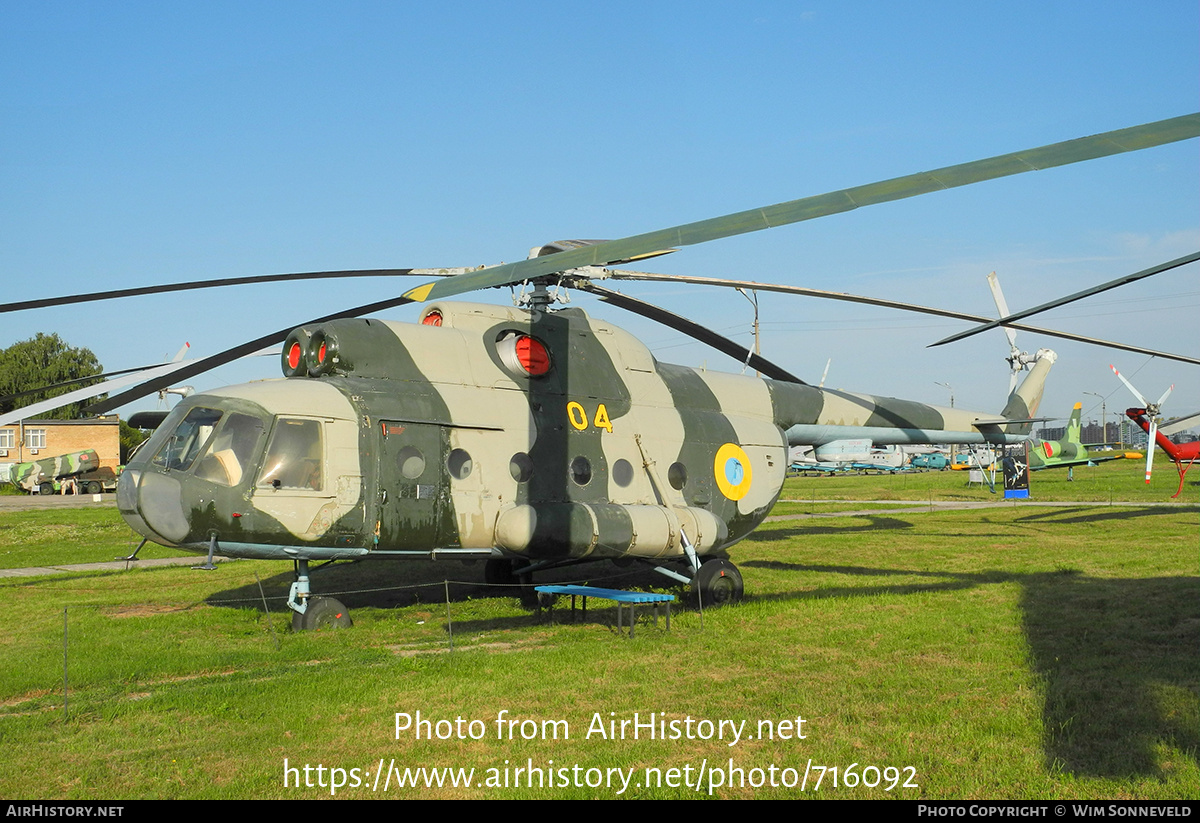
(622, 451)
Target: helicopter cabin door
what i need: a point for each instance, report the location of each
(414, 512)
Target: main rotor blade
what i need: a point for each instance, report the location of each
(229, 355)
(228, 281)
(1071, 298)
(704, 335)
(62, 385)
(1180, 424)
(621, 274)
(808, 208)
(166, 370)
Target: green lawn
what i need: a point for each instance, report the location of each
(1012, 652)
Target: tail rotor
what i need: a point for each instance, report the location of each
(1017, 360)
(1152, 415)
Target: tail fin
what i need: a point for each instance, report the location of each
(1024, 401)
(1073, 425)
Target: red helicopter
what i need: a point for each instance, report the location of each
(1183, 455)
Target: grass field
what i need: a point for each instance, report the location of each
(1009, 652)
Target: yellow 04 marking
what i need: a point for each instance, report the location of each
(577, 415)
(601, 421)
(579, 418)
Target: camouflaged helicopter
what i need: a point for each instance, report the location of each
(531, 437)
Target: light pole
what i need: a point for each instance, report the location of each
(1103, 418)
(950, 389)
(953, 448)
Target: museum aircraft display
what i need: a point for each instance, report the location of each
(1183, 455)
(1070, 451)
(530, 436)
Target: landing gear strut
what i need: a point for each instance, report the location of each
(314, 613)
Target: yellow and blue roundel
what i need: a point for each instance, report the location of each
(732, 470)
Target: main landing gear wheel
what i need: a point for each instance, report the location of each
(718, 583)
(322, 614)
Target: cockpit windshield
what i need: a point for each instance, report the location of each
(185, 442)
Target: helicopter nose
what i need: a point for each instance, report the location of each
(151, 505)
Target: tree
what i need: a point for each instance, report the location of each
(131, 438)
(44, 361)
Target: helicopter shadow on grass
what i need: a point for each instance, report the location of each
(397, 584)
(1069, 515)
(1117, 659)
(777, 530)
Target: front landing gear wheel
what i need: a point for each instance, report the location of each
(322, 614)
(718, 583)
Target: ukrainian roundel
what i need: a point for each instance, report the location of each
(732, 470)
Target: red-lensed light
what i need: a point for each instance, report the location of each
(532, 355)
(434, 318)
(294, 356)
(321, 354)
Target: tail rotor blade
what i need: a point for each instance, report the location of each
(1166, 394)
(1150, 447)
(1129, 386)
(1002, 307)
(1014, 353)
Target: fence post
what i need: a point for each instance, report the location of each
(449, 622)
(65, 717)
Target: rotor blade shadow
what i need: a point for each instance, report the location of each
(1065, 515)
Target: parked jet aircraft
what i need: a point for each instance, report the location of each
(1070, 452)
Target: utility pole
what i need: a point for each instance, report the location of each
(950, 389)
(1103, 418)
(754, 302)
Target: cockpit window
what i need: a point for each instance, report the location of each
(293, 459)
(185, 442)
(231, 451)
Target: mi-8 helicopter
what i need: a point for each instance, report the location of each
(529, 436)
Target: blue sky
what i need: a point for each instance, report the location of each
(143, 143)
